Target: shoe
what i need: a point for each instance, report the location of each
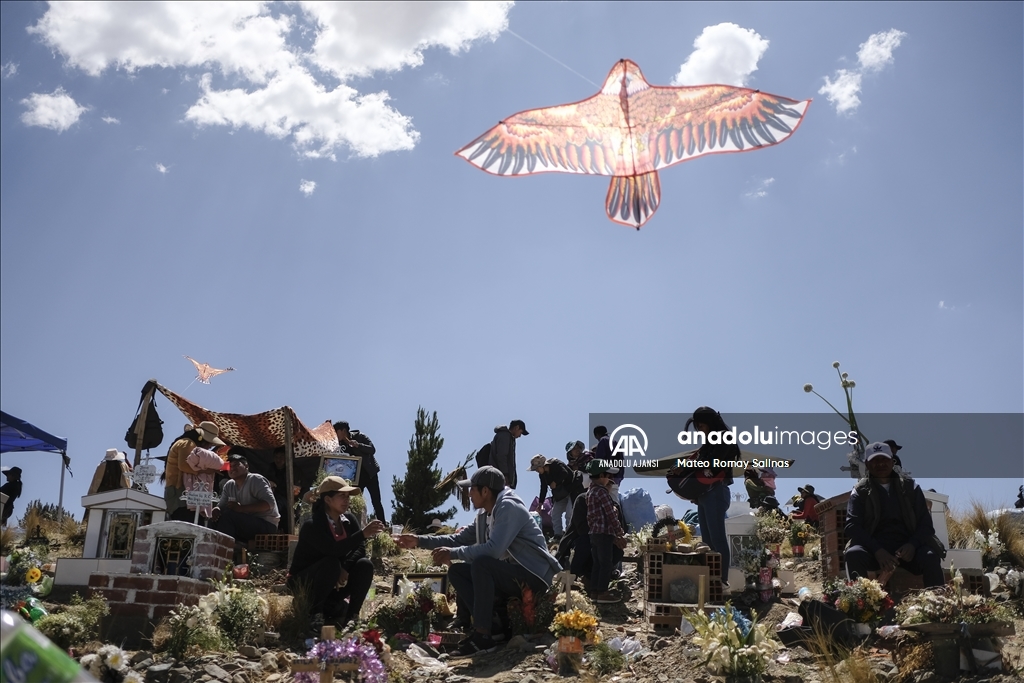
(606, 598)
(462, 625)
(475, 644)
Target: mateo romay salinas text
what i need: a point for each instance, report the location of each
(760, 437)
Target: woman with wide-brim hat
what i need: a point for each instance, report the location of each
(806, 505)
(205, 435)
(332, 550)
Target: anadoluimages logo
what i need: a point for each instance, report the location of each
(628, 445)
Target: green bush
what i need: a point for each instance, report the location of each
(77, 624)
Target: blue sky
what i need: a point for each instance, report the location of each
(153, 165)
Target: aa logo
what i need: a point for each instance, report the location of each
(628, 445)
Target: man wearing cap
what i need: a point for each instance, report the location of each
(577, 456)
(205, 435)
(12, 489)
(356, 443)
(247, 506)
(895, 448)
(565, 486)
(888, 523)
(606, 531)
(501, 552)
(503, 450)
(330, 558)
(603, 451)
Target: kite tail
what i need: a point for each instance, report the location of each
(632, 200)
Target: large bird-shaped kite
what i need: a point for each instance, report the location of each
(630, 130)
(206, 372)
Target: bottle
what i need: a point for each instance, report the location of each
(803, 594)
(27, 656)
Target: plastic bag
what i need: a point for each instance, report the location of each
(420, 656)
(637, 508)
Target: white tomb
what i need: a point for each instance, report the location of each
(113, 517)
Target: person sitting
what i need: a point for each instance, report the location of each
(331, 551)
(435, 526)
(606, 531)
(205, 435)
(888, 523)
(247, 506)
(806, 505)
(502, 552)
(111, 474)
(757, 489)
(565, 486)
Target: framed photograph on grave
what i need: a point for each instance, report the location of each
(121, 535)
(437, 580)
(345, 466)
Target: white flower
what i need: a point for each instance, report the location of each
(191, 622)
(115, 658)
(808, 388)
(93, 664)
(835, 364)
(133, 677)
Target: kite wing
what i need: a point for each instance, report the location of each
(630, 130)
(205, 371)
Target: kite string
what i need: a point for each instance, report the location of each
(552, 58)
(190, 384)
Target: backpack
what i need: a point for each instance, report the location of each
(483, 456)
(153, 435)
(692, 486)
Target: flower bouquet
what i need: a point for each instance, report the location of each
(772, 529)
(413, 613)
(951, 605)
(735, 645)
(990, 546)
(863, 600)
(574, 628)
(798, 533)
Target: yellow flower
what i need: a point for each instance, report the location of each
(33, 575)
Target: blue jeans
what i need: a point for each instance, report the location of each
(479, 582)
(558, 507)
(711, 510)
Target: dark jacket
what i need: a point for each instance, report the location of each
(563, 482)
(316, 541)
(603, 451)
(878, 519)
(13, 490)
(503, 454)
(365, 450)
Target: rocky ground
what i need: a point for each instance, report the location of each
(665, 657)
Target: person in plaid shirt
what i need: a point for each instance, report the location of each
(605, 530)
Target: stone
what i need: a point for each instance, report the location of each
(274, 678)
(663, 678)
(268, 662)
(180, 675)
(520, 643)
(239, 678)
(249, 652)
(158, 673)
(230, 666)
(140, 656)
(661, 643)
(143, 665)
(924, 676)
(214, 671)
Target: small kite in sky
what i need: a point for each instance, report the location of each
(205, 371)
(630, 130)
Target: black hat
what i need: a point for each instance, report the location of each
(236, 457)
(893, 446)
(520, 424)
(12, 470)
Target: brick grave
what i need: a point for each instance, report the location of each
(172, 563)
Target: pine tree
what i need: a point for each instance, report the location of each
(414, 495)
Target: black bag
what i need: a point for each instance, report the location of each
(692, 486)
(153, 435)
(483, 456)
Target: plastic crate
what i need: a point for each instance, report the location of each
(276, 543)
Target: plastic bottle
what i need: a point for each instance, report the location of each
(27, 656)
(803, 594)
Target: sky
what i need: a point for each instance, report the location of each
(273, 187)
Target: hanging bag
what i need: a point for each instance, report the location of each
(153, 435)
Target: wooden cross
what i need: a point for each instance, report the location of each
(566, 580)
(326, 669)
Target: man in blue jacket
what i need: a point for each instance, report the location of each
(501, 551)
(888, 523)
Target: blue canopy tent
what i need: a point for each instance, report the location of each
(18, 435)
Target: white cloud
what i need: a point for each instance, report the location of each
(162, 169)
(874, 55)
(57, 111)
(110, 119)
(8, 70)
(876, 52)
(274, 84)
(761, 190)
(844, 91)
(725, 53)
(307, 187)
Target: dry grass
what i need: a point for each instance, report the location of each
(293, 623)
(279, 607)
(31, 521)
(8, 536)
(961, 528)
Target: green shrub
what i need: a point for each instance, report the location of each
(77, 624)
